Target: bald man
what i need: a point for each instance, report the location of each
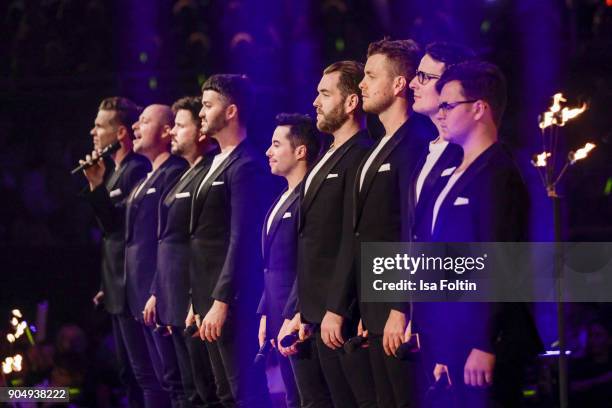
(152, 137)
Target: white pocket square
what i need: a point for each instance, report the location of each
(287, 215)
(332, 175)
(217, 183)
(114, 193)
(461, 201)
(182, 195)
(384, 167)
(151, 190)
(448, 171)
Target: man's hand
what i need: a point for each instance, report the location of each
(95, 173)
(288, 327)
(193, 318)
(98, 299)
(148, 314)
(439, 370)
(213, 322)
(262, 330)
(394, 332)
(331, 330)
(478, 370)
(360, 331)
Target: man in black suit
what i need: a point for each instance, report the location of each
(228, 209)
(325, 216)
(170, 299)
(295, 146)
(382, 180)
(152, 132)
(432, 169)
(482, 346)
(108, 198)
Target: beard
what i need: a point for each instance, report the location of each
(214, 126)
(333, 120)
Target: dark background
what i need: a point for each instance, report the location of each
(59, 58)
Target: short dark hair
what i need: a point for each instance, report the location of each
(236, 88)
(449, 53)
(403, 54)
(193, 104)
(126, 112)
(302, 131)
(351, 74)
(479, 80)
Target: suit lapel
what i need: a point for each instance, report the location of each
(170, 196)
(469, 174)
(450, 157)
(277, 219)
(199, 194)
(323, 172)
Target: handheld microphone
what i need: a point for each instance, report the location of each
(354, 343)
(261, 355)
(107, 151)
(409, 350)
(289, 340)
(190, 330)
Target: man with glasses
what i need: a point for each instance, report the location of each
(482, 347)
(382, 179)
(441, 156)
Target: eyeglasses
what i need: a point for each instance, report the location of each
(449, 106)
(424, 77)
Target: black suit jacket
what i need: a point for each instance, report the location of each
(171, 282)
(377, 217)
(325, 215)
(493, 208)
(226, 220)
(109, 201)
(141, 232)
(279, 249)
(419, 214)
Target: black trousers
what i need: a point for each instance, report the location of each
(348, 375)
(311, 384)
(141, 362)
(164, 358)
(126, 375)
(399, 384)
(232, 356)
(196, 371)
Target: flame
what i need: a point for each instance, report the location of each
(10, 337)
(567, 114)
(581, 153)
(17, 313)
(556, 106)
(559, 116)
(540, 159)
(547, 121)
(14, 321)
(7, 367)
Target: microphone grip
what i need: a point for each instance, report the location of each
(260, 358)
(289, 340)
(107, 151)
(190, 330)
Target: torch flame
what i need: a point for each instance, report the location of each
(17, 313)
(10, 337)
(581, 153)
(540, 159)
(567, 114)
(547, 120)
(14, 321)
(557, 99)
